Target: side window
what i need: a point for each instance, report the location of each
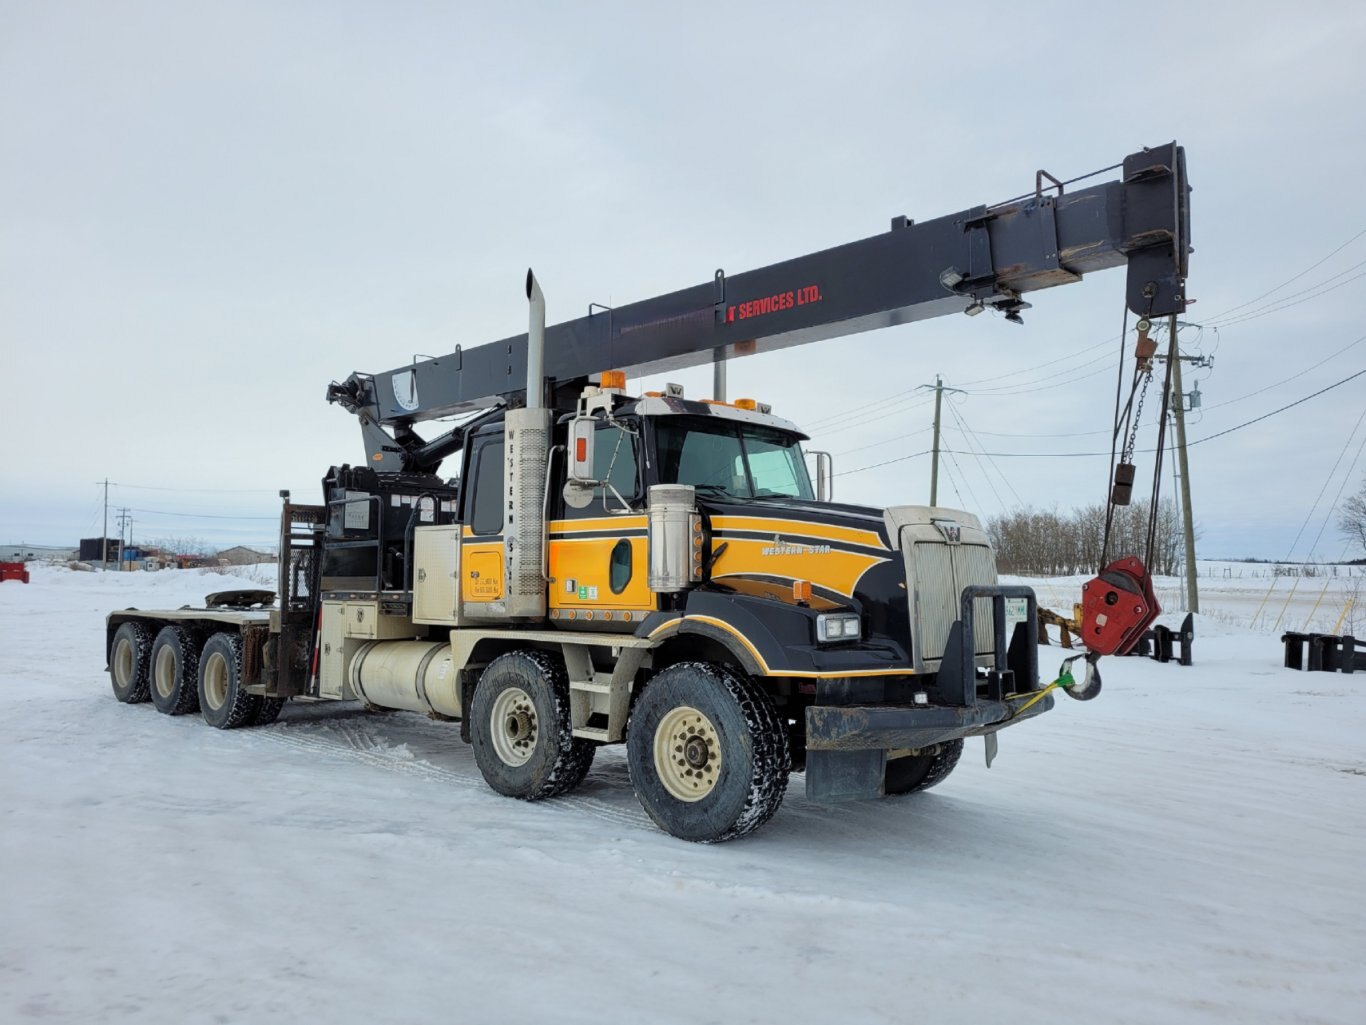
(615, 448)
(486, 515)
(619, 568)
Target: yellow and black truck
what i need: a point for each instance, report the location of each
(595, 567)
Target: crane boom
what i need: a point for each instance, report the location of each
(983, 257)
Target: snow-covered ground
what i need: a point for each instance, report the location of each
(1189, 847)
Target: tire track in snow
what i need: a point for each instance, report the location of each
(393, 752)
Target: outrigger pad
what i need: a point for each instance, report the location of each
(1117, 607)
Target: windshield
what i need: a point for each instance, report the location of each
(744, 460)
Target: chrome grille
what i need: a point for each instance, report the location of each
(977, 565)
(939, 574)
(936, 598)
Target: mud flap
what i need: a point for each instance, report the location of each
(845, 775)
(990, 738)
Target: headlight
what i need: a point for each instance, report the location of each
(837, 627)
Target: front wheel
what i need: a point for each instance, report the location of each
(708, 753)
(520, 728)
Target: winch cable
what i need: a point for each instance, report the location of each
(1128, 417)
(1114, 441)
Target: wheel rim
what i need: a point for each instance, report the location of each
(164, 672)
(123, 663)
(513, 726)
(216, 681)
(687, 752)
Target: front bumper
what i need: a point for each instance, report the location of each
(863, 727)
(847, 745)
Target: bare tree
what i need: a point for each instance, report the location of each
(1353, 521)
(1029, 542)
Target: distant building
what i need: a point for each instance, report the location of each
(93, 548)
(32, 553)
(243, 556)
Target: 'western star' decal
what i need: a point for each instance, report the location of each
(780, 547)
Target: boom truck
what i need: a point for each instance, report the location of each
(664, 571)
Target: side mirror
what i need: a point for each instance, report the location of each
(581, 432)
(825, 476)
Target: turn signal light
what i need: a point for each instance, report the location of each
(801, 590)
(613, 379)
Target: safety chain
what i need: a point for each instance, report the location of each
(1127, 456)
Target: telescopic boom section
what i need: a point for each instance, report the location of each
(984, 257)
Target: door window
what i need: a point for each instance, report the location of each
(486, 513)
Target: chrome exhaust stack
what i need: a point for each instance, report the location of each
(526, 434)
(535, 344)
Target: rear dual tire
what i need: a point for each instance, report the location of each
(223, 699)
(174, 671)
(129, 662)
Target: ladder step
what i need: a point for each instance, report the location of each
(590, 688)
(592, 733)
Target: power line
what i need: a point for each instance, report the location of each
(864, 421)
(1079, 455)
(1039, 366)
(1050, 380)
(1240, 398)
(1290, 281)
(971, 494)
(1292, 405)
(1326, 481)
(1287, 304)
(967, 432)
(1225, 318)
(885, 441)
(207, 491)
(885, 462)
(200, 516)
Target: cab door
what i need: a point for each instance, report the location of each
(599, 555)
(482, 541)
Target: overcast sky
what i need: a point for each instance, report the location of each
(210, 211)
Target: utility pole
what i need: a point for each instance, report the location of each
(125, 521)
(939, 390)
(1179, 408)
(1179, 418)
(104, 535)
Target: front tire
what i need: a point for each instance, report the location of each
(223, 698)
(175, 671)
(913, 773)
(130, 661)
(708, 753)
(520, 728)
